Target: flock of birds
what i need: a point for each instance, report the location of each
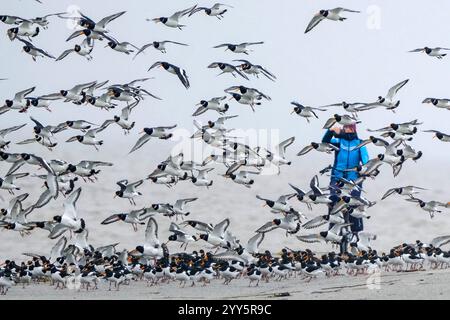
(73, 258)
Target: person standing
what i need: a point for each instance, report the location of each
(347, 157)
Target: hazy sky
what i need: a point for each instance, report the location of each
(352, 60)
(355, 60)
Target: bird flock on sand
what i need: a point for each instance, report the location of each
(73, 259)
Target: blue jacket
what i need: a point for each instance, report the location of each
(347, 157)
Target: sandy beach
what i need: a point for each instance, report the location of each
(429, 285)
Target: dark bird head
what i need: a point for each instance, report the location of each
(226, 107)
(162, 167)
(122, 216)
(140, 249)
(148, 131)
(156, 44)
(394, 126)
(323, 13)
(71, 168)
(119, 193)
(380, 156)
(69, 123)
(232, 47)
(323, 234)
(194, 179)
(77, 48)
(116, 118)
(163, 19)
(315, 145)
(57, 219)
(64, 92)
(337, 117)
(112, 44)
(297, 110)
(155, 206)
(276, 222)
(204, 103)
(173, 237)
(204, 236)
(165, 65)
(3, 18)
(26, 49)
(87, 24)
(9, 103)
(427, 50)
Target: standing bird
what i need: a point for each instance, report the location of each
(432, 52)
(238, 48)
(128, 190)
(173, 20)
(157, 132)
(333, 14)
(33, 51)
(181, 73)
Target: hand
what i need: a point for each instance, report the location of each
(336, 130)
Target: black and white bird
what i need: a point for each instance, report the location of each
(8, 182)
(305, 111)
(69, 219)
(227, 68)
(404, 191)
(122, 120)
(180, 235)
(212, 104)
(128, 190)
(180, 73)
(156, 132)
(433, 52)
(255, 69)
(89, 138)
(158, 45)
(217, 10)
(4, 132)
(332, 235)
(123, 47)
(87, 23)
(438, 103)
(321, 147)
(173, 20)
(432, 207)
(152, 247)
(441, 136)
(25, 29)
(238, 48)
(84, 49)
(388, 101)
(340, 119)
(290, 222)
(134, 217)
(331, 14)
(19, 102)
(34, 51)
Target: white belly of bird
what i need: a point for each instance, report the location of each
(90, 141)
(333, 16)
(70, 223)
(203, 183)
(173, 23)
(333, 237)
(152, 251)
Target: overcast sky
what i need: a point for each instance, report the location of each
(355, 60)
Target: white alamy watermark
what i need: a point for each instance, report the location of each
(374, 17)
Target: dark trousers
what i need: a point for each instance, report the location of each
(357, 223)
